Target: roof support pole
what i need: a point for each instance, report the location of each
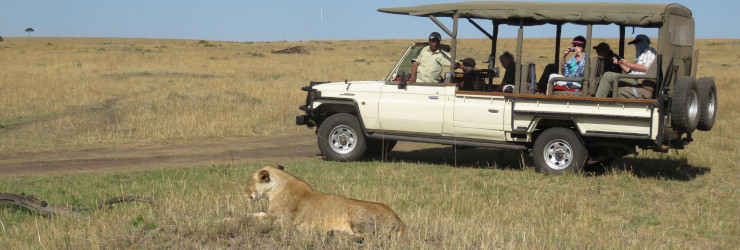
(558, 33)
(442, 26)
(586, 67)
(621, 40)
(492, 58)
(453, 51)
(518, 67)
(480, 28)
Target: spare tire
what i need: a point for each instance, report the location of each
(685, 109)
(708, 103)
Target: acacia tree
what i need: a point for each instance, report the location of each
(29, 30)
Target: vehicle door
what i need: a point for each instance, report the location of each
(418, 108)
(479, 116)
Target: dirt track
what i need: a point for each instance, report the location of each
(272, 149)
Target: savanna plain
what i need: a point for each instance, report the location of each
(70, 94)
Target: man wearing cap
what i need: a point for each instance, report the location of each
(427, 66)
(631, 88)
(606, 58)
(468, 82)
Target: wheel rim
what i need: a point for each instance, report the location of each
(712, 106)
(342, 139)
(693, 105)
(558, 154)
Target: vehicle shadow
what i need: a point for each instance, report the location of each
(464, 157)
(669, 169)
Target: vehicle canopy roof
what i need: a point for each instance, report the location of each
(536, 13)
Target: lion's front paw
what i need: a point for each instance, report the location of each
(258, 215)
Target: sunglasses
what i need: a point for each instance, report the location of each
(578, 45)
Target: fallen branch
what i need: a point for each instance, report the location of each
(44, 208)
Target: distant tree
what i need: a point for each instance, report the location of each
(29, 30)
(1, 38)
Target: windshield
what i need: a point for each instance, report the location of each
(404, 64)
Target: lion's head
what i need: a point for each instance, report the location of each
(262, 182)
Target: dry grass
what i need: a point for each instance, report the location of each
(66, 92)
(63, 92)
(92, 92)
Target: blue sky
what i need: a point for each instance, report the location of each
(276, 20)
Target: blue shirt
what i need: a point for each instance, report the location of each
(573, 68)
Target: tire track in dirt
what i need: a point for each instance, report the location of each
(119, 159)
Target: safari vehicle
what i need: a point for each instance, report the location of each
(563, 131)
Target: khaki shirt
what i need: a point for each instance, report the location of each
(431, 65)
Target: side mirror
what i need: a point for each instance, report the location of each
(402, 75)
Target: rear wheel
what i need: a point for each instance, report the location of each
(559, 150)
(340, 138)
(708, 102)
(685, 108)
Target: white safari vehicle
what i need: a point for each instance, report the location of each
(563, 129)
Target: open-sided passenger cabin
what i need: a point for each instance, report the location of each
(674, 43)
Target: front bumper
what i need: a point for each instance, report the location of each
(311, 95)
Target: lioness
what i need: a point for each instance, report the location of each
(293, 200)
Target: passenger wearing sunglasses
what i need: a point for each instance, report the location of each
(574, 66)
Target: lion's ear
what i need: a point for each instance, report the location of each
(281, 167)
(264, 176)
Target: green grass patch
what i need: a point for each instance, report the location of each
(441, 204)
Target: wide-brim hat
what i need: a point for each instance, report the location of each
(639, 38)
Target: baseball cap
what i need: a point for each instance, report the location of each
(468, 62)
(435, 35)
(602, 47)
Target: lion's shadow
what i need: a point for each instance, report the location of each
(670, 169)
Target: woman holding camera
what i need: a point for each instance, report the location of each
(574, 66)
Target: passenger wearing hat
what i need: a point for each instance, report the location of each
(631, 88)
(428, 64)
(606, 58)
(574, 66)
(468, 82)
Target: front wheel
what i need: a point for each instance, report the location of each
(340, 138)
(559, 150)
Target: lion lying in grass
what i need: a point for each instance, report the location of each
(293, 200)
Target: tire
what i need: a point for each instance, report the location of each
(708, 103)
(340, 138)
(685, 107)
(559, 150)
(377, 147)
